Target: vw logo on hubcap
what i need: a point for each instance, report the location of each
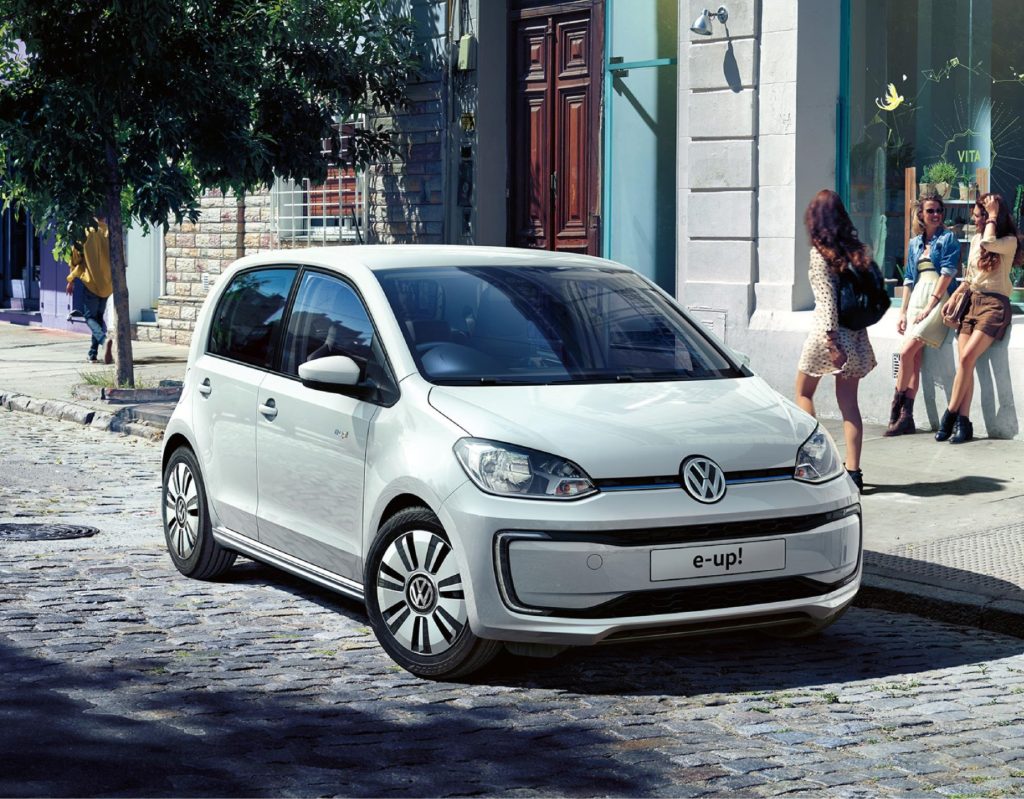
(703, 479)
(421, 594)
(180, 511)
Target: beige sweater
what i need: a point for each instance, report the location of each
(996, 280)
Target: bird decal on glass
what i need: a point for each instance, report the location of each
(892, 99)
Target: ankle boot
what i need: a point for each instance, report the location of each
(894, 412)
(946, 426)
(905, 424)
(858, 478)
(963, 431)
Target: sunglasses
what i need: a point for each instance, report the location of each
(932, 211)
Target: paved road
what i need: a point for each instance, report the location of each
(123, 678)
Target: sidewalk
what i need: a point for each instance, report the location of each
(39, 368)
(944, 524)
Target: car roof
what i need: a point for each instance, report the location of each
(380, 257)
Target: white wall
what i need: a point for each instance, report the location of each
(144, 256)
(757, 139)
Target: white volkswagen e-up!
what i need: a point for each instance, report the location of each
(495, 447)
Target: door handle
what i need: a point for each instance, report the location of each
(205, 388)
(269, 409)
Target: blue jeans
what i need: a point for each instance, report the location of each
(93, 313)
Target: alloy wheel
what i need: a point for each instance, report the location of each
(181, 508)
(420, 593)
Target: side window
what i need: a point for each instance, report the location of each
(328, 318)
(249, 315)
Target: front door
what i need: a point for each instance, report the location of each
(311, 444)
(555, 120)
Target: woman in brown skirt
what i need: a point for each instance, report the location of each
(994, 249)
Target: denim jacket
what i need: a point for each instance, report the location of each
(945, 255)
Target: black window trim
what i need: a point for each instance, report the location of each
(276, 361)
(285, 313)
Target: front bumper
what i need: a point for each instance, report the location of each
(608, 567)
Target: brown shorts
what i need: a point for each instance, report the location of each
(989, 313)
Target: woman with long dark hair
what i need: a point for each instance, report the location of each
(933, 258)
(831, 349)
(994, 249)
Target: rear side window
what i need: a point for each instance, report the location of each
(249, 316)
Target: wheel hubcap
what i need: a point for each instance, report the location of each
(420, 593)
(181, 510)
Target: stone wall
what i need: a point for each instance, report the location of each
(195, 254)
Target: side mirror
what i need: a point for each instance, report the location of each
(742, 357)
(331, 373)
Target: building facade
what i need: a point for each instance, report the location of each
(861, 96)
(608, 127)
(33, 282)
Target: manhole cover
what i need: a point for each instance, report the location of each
(44, 532)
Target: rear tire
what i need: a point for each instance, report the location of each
(416, 601)
(186, 516)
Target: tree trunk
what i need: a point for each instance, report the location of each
(122, 333)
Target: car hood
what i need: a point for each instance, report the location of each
(636, 429)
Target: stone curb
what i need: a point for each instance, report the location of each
(117, 422)
(940, 603)
(126, 395)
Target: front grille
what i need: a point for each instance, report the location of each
(675, 481)
(717, 531)
(712, 597)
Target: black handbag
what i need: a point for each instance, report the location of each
(863, 299)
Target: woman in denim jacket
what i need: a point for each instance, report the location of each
(933, 259)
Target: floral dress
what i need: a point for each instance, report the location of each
(814, 359)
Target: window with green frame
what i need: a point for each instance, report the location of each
(931, 82)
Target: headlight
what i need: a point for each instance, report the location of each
(517, 472)
(818, 459)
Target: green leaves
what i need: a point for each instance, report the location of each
(191, 95)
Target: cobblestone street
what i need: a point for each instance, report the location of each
(124, 678)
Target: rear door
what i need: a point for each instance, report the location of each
(238, 352)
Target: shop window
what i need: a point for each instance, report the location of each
(932, 81)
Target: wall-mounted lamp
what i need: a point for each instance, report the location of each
(702, 25)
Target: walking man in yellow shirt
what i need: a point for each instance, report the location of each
(91, 265)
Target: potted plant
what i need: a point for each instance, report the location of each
(942, 175)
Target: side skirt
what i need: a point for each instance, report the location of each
(280, 560)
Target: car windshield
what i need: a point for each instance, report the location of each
(546, 324)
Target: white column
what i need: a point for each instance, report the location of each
(717, 165)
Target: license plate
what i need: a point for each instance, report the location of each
(714, 560)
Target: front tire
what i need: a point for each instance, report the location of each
(416, 600)
(186, 515)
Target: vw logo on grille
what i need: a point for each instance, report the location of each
(421, 593)
(703, 479)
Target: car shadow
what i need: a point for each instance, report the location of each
(151, 728)
(874, 642)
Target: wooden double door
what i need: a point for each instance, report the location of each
(555, 127)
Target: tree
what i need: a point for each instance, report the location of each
(133, 108)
